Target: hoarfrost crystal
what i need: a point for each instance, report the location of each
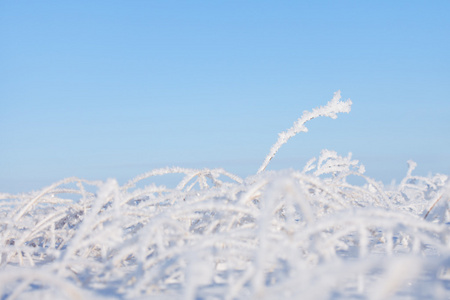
(276, 234)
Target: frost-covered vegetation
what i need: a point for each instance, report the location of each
(291, 234)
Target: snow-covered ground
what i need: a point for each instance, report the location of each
(290, 234)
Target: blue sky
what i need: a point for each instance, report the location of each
(100, 89)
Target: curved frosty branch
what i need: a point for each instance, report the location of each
(333, 107)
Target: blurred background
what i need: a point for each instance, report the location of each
(112, 89)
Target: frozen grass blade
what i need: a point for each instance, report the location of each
(333, 107)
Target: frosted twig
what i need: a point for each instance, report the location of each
(333, 107)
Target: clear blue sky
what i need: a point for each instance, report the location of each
(100, 89)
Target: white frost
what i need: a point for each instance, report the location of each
(274, 235)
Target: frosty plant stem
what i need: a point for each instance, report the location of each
(333, 107)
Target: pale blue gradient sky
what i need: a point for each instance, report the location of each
(100, 89)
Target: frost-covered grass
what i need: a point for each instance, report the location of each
(291, 234)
